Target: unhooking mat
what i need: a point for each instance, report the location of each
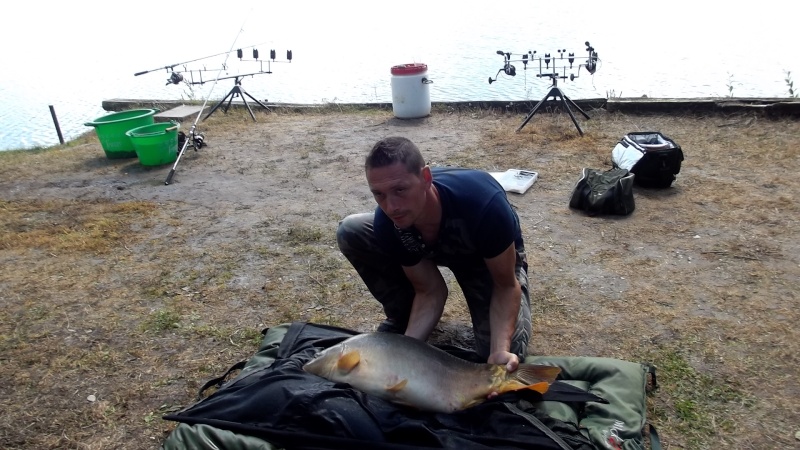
(273, 404)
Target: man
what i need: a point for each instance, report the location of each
(428, 217)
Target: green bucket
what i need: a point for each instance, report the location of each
(155, 144)
(111, 131)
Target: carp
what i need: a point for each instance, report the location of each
(410, 372)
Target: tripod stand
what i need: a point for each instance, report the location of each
(239, 91)
(556, 93)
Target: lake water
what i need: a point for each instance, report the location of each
(73, 55)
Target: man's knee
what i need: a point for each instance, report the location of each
(351, 231)
(342, 232)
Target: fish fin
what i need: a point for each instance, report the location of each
(348, 361)
(397, 387)
(534, 373)
(514, 385)
(541, 387)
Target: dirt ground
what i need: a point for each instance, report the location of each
(122, 295)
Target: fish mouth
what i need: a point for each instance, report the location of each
(308, 364)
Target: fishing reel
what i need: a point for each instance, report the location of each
(507, 68)
(591, 61)
(174, 78)
(590, 64)
(198, 140)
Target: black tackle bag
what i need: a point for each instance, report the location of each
(600, 192)
(654, 158)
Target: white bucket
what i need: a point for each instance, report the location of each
(411, 95)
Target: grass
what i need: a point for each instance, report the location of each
(67, 226)
(162, 320)
(693, 404)
(119, 288)
(303, 234)
(790, 84)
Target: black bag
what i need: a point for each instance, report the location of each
(604, 192)
(654, 158)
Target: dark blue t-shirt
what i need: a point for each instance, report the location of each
(477, 221)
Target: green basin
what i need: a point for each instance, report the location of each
(155, 144)
(111, 131)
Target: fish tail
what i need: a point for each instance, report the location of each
(529, 376)
(535, 373)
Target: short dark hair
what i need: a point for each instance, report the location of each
(392, 150)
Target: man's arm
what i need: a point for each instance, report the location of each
(429, 299)
(504, 307)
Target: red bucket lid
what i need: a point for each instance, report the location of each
(409, 69)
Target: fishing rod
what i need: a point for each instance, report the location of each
(192, 138)
(177, 77)
(172, 66)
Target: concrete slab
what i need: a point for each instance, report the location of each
(179, 113)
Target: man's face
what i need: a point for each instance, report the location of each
(400, 194)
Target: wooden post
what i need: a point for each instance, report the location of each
(58, 128)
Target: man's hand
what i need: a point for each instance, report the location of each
(510, 360)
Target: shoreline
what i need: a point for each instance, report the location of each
(771, 107)
(778, 106)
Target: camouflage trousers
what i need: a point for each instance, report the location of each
(388, 283)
